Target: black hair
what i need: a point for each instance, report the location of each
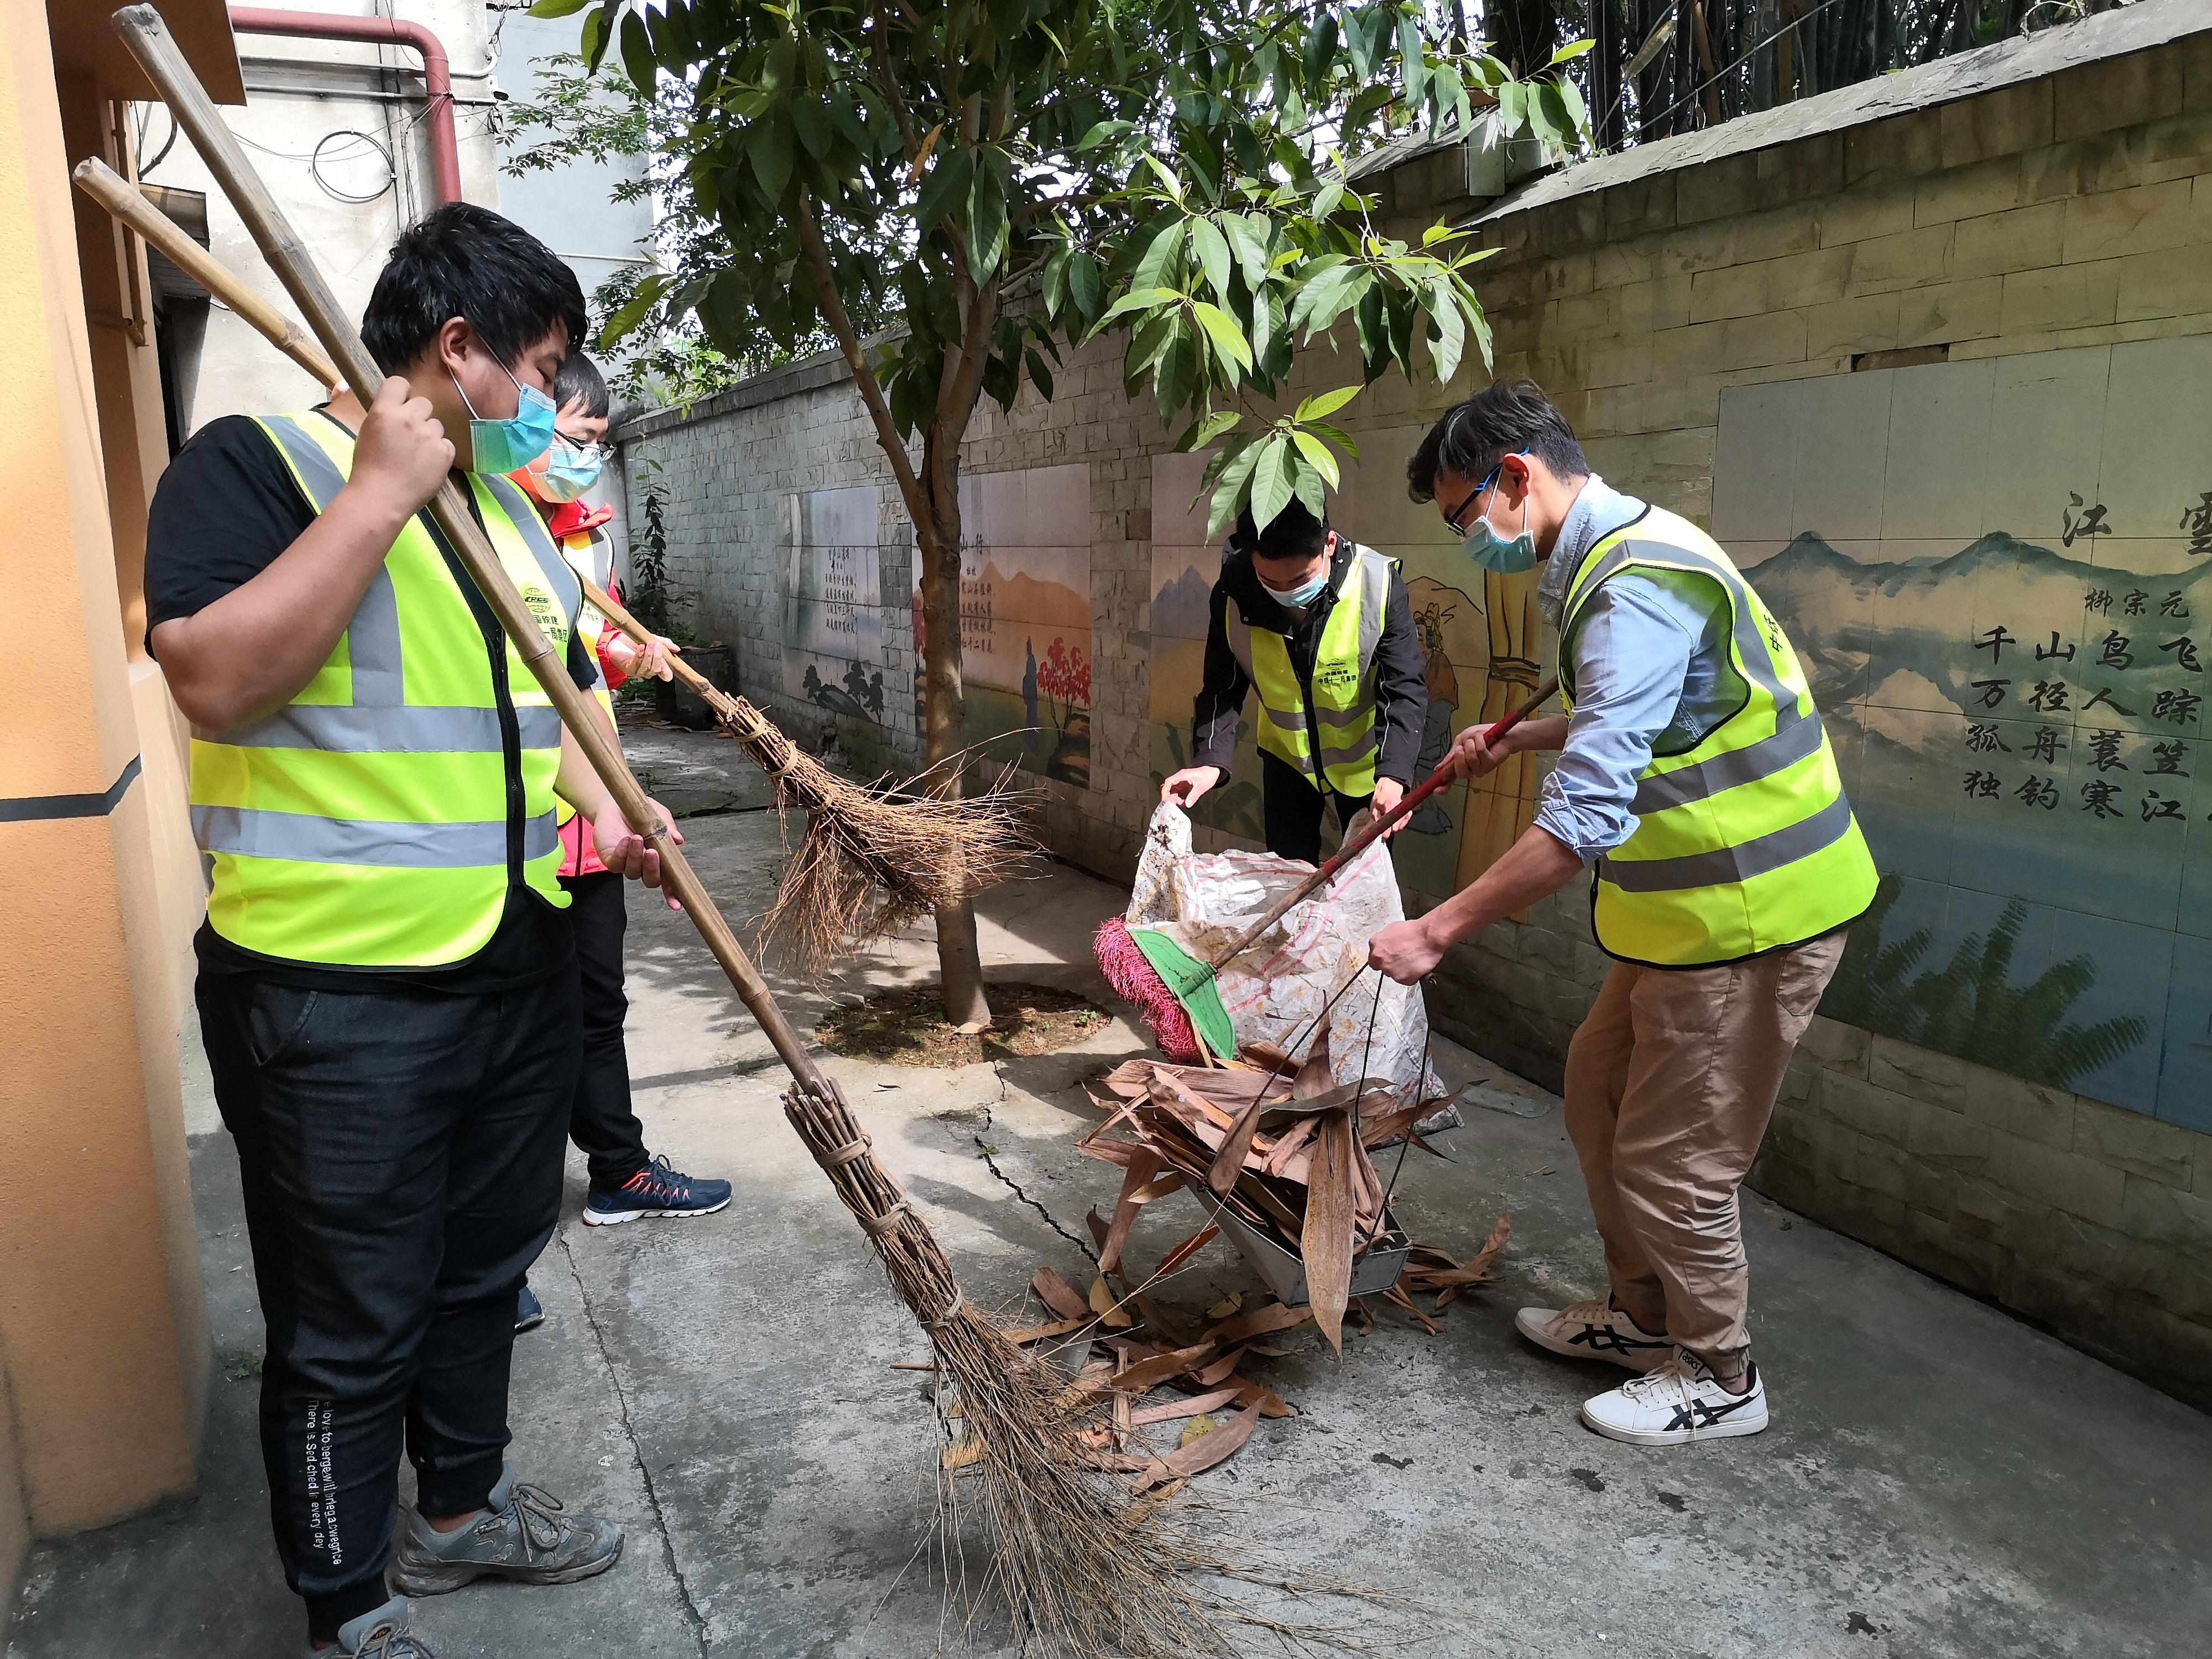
(1292, 533)
(580, 376)
(1509, 418)
(461, 260)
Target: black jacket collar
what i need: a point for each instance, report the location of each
(1261, 609)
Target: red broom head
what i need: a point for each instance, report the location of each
(1133, 979)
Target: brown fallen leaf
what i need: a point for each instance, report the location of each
(1108, 1310)
(1228, 1305)
(1181, 1408)
(962, 1452)
(1249, 1393)
(1149, 1373)
(1134, 1180)
(1398, 1298)
(1261, 1322)
(1235, 1147)
(1029, 1333)
(1224, 1443)
(1326, 1240)
(1057, 1294)
(1176, 1260)
(1210, 1374)
(1121, 1424)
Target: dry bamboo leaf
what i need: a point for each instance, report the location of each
(1104, 1305)
(1029, 1333)
(1224, 1443)
(1181, 1408)
(1209, 1374)
(1366, 1315)
(1057, 1294)
(1176, 1260)
(1261, 1322)
(1227, 1306)
(1314, 1076)
(962, 1452)
(1197, 1429)
(1235, 1147)
(1149, 1373)
(1138, 1176)
(1097, 1223)
(1398, 1298)
(1293, 1141)
(1326, 1240)
(1121, 1424)
(1249, 1393)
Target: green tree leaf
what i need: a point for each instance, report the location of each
(768, 147)
(1570, 51)
(558, 8)
(1272, 482)
(1228, 344)
(1316, 452)
(1211, 247)
(946, 185)
(1204, 430)
(1324, 403)
(638, 61)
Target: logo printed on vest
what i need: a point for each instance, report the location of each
(552, 619)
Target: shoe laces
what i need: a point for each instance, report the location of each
(390, 1641)
(542, 1517)
(1596, 1310)
(657, 1180)
(1675, 1376)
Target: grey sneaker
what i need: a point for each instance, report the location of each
(527, 1538)
(380, 1633)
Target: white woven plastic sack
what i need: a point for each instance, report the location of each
(1274, 990)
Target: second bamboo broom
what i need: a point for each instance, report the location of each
(872, 860)
(1089, 1571)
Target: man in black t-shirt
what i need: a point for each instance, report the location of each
(387, 990)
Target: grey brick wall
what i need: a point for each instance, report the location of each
(1635, 306)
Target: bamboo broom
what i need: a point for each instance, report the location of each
(1090, 1573)
(870, 861)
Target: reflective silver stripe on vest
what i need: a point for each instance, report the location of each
(250, 833)
(1365, 746)
(1728, 864)
(372, 631)
(341, 729)
(1796, 737)
(1750, 644)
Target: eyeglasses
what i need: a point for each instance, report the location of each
(1454, 520)
(595, 453)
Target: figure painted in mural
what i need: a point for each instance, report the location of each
(1323, 628)
(626, 1182)
(1694, 779)
(1030, 693)
(388, 984)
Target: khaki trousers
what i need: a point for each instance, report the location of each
(1670, 1083)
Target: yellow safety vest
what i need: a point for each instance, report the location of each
(1343, 680)
(379, 819)
(1744, 840)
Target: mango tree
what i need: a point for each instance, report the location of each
(1001, 181)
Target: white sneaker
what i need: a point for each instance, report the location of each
(1680, 1400)
(1594, 1330)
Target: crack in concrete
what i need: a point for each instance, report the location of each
(985, 1150)
(691, 1613)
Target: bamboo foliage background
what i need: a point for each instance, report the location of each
(1659, 66)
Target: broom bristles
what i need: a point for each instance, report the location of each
(1133, 979)
(1092, 1572)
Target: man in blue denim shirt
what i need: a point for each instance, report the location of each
(1694, 775)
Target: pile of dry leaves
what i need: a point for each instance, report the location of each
(1290, 1159)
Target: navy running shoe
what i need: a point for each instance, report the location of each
(529, 1315)
(654, 1190)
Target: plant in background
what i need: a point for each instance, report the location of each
(1171, 172)
(649, 599)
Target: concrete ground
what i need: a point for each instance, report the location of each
(1940, 1479)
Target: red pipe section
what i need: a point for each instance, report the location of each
(437, 70)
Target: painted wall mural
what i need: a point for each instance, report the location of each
(1025, 617)
(1479, 634)
(833, 612)
(1998, 575)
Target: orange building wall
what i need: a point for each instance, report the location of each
(103, 1338)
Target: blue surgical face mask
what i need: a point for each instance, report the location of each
(503, 446)
(1301, 596)
(1507, 555)
(570, 470)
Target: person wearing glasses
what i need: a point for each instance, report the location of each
(1323, 628)
(1695, 782)
(626, 1182)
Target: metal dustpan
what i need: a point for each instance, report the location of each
(1283, 1270)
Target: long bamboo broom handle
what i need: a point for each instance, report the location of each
(129, 203)
(1374, 831)
(148, 37)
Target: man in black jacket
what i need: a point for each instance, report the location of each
(1322, 628)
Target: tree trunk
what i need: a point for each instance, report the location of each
(959, 962)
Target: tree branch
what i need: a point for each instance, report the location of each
(848, 342)
(889, 84)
